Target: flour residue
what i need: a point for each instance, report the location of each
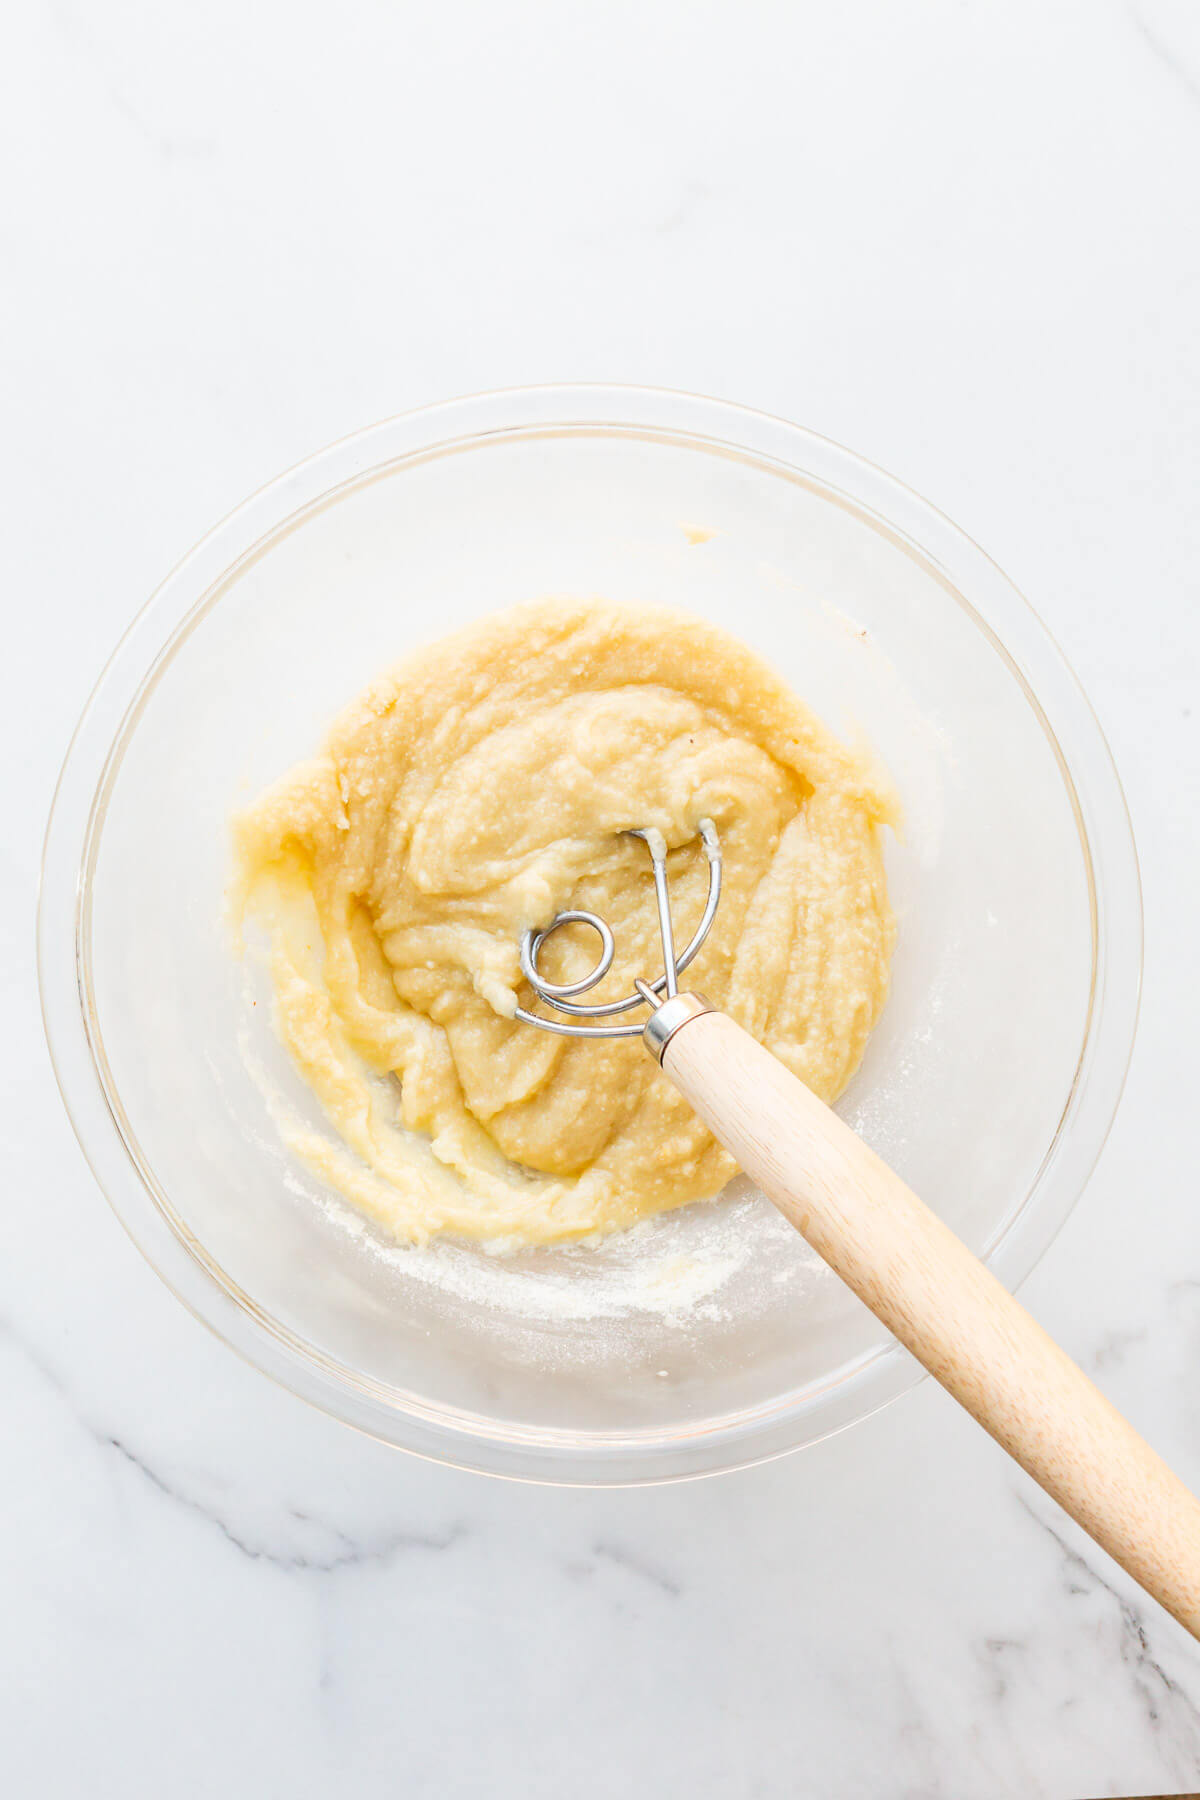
(671, 1287)
(672, 1268)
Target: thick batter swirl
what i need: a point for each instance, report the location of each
(482, 786)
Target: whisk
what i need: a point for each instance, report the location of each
(893, 1252)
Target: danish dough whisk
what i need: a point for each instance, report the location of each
(916, 1276)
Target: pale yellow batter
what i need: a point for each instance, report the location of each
(480, 787)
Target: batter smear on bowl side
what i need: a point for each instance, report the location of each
(479, 788)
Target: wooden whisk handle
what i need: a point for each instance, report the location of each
(944, 1306)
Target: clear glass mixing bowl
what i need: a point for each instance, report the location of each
(714, 1338)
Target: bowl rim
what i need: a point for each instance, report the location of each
(110, 715)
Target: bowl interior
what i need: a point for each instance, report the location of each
(715, 1315)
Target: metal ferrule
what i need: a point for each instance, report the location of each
(671, 1017)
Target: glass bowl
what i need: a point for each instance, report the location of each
(712, 1338)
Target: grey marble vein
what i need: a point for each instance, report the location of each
(998, 1656)
(631, 1561)
(1112, 1347)
(1163, 1699)
(346, 1552)
(919, 1737)
(1164, 54)
(168, 146)
(692, 196)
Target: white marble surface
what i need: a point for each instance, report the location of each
(961, 238)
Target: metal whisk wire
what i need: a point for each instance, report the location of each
(562, 996)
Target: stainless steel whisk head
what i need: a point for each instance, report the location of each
(564, 996)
